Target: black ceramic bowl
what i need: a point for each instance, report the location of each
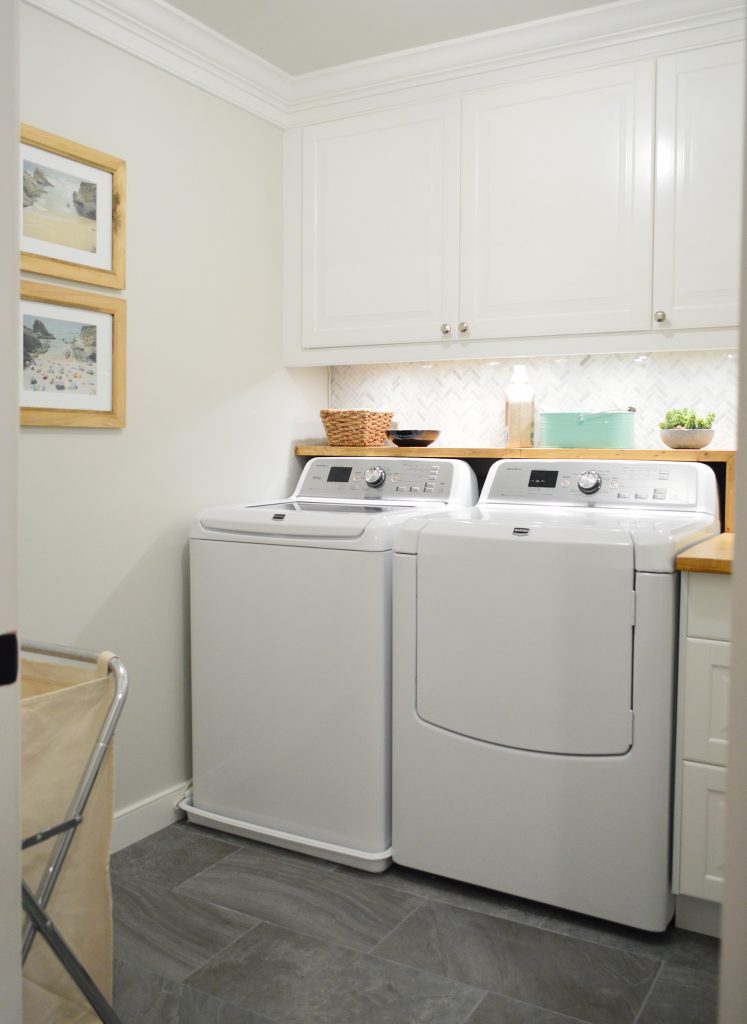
(412, 438)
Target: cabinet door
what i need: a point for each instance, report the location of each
(706, 699)
(556, 215)
(700, 104)
(703, 831)
(709, 605)
(381, 227)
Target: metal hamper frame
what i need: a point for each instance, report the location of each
(34, 904)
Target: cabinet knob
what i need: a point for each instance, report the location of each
(463, 327)
(445, 329)
(660, 316)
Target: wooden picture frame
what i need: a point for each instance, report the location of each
(73, 359)
(73, 210)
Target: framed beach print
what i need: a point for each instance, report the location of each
(73, 210)
(72, 366)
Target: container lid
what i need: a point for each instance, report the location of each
(585, 414)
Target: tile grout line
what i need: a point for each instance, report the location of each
(350, 949)
(361, 951)
(540, 925)
(202, 871)
(648, 994)
(573, 939)
(650, 955)
(421, 970)
(443, 898)
(564, 1017)
(544, 924)
(365, 952)
(423, 901)
(202, 991)
(233, 942)
(473, 1011)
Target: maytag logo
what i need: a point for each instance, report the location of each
(279, 515)
(521, 531)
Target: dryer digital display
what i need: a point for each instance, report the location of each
(543, 478)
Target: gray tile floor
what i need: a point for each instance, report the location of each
(213, 929)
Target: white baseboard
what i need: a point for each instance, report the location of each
(147, 816)
(696, 915)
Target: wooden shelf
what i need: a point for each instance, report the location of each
(722, 456)
(713, 555)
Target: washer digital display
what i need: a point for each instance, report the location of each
(543, 478)
(340, 474)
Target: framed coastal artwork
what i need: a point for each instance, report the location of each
(73, 210)
(72, 366)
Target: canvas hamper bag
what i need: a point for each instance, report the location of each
(63, 707)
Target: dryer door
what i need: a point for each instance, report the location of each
(526, 640)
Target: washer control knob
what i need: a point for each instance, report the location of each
(589, 481)
(375, 476)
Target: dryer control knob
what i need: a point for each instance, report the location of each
(375, 476)
(589, 481)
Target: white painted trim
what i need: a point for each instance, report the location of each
(147, 816)
(173, 41)
(715, 339)
(563, 35)
(696, 915)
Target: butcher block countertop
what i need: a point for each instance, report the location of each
(713, 555)
(724, 457)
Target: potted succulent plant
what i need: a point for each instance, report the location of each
(683, 428)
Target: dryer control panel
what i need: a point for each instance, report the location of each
(610, 484)
(373, 480)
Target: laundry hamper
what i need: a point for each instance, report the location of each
(68, 716)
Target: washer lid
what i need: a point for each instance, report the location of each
(297, 518)
(526, 641)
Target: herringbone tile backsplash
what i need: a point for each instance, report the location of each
(464, 400)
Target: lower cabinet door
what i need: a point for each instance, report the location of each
(702, 834)
(706, 695)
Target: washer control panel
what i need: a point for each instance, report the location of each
(607, 483)
(377, 479)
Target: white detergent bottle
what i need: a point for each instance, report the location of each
(519, 412)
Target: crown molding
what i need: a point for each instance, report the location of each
(160, 34)
(165, 37)
(628, 21)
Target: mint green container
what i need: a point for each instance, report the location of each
(614, 429)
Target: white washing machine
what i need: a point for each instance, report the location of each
(291, 655)
(534, 669)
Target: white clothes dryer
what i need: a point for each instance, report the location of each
(534, 668)
(291, 655)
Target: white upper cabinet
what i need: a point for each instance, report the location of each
(381, 227)
(700, 119)
(557, 205)
(566, 208)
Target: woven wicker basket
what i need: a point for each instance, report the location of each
(356, 427)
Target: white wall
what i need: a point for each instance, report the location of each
(211, 412)
(10, 852)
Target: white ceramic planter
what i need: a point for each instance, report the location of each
(681, 437)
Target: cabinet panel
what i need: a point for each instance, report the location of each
(703, 831)
(557, 193)
(700, 117)
(381, 227)
(709, 606)
(706, 697)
